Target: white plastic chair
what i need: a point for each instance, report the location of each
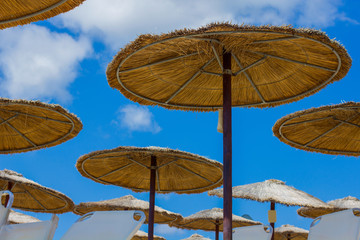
(256, 232)
(5, 210)
(106, 225)
(342, 225)
(30, 231)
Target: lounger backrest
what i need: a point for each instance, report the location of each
(30, 231)
(5, 210)
(336, 226)
(256, 232)
(106, 225)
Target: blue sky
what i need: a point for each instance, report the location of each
(63, 60)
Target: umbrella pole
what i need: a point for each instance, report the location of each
(9, 187)
(217, 230)
(272, 207)
(152, 198)
(227, 146)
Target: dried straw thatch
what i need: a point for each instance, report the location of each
(16, 12)
(31, 196)
(140, 235)
(270, 66)
(129, 167)
(208, 219)
(335, 206)
(29, 125)
(287, 232)
(16, 218)
(196, 237)
(331, 129)
(127, 203)
(273, 191)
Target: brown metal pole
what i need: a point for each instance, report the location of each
(9, 187)
(217, 230)
(227, 146)
(152, 198)
(272, 207)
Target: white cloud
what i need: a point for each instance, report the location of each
(137, 118)
(163, 229)
(36, 63)
(116, 22)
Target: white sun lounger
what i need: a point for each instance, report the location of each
(5, 210)
(256, 232)
(342, 225)
(30, 231)
(106, 225)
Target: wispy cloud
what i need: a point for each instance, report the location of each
(137, 118)
(163, 229)
(36, 63)
(116, 22)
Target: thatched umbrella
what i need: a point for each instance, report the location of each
(31, 196)
(273, 191)
(196, 237)
(333, 129)
(212, 220)
(153, 169)
(16, 218)
(201, 69)
(15, 12)
(29, 125)
(333, 206)
(128, 203)
(289, 232)
(140, 235)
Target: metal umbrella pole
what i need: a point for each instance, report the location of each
(152, 198)
(227, 146)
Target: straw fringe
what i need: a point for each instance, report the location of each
(288, 231)
(17, 218)
(282, 90)
(196, 237)
(10, 10)
(273, 191)
(179, 171)
(31, 196)
(343, 144)
(45, 125)
(127, 203)
(140, 235)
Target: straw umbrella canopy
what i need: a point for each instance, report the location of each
(16, 218)
(140, 235)
(31, 196)
(201, 69)
(333, 129)
(289, 232)
(335, 206)
(212, 220)
(15, 12)
(127, 203)
(196, 237)
(30, 125)
(153, 169)
(273, 191)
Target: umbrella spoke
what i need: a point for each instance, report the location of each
(5, 121)
(336, 126)
(111, 172)
(217, 56)
(31, 115)
(165, 164)
(158, 180)
(27, 139)
(212, 73)
(307, 121)
(138, 163)
(347, 122)
(276, 39)
(293, 61)
(160, 62)
(243, 70)
(34, 198)
(196, 174)
(190, 80)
